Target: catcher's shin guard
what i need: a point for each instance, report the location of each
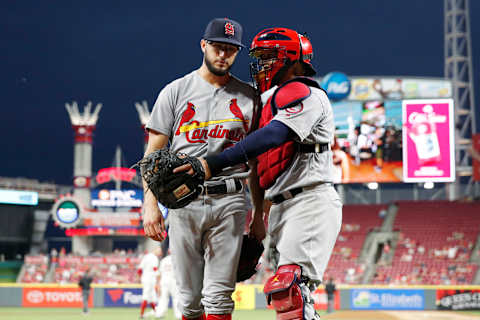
(219, 316)
(284, 293)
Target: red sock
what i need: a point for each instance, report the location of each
(219, 317)
(142, 307)
(153, 306)
(202, 317)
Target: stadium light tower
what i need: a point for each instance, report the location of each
(144, 115)
(459, 69)
(83, 124)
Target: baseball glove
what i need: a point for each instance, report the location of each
(252, 250)
(173, 190)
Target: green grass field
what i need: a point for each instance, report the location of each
(133, 313)
(107, 314)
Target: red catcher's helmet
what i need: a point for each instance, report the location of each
(274, 50)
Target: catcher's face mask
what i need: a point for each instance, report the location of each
(267, 63)
(273, 51)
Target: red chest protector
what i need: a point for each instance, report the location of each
(275, 161)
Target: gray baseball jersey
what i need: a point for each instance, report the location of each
(206, 235)
(304, 229)
(312, 121)
(202, 120)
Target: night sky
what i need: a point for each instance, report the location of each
(121, 52)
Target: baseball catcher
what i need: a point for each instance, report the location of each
(173, 190)
(294, 166)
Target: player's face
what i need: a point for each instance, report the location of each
(219, 57)
(263, 66)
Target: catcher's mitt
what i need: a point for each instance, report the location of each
(173, 190)
(252, 250)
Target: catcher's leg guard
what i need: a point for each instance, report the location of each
(284, 293)
(219, 317)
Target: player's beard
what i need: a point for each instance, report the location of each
(216, 71)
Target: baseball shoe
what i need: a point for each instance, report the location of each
(150, 313)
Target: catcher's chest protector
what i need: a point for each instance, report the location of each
(275, 161)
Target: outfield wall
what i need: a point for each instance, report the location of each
(248, 297)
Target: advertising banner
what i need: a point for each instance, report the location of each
(67, 212)
(428, 141)
(458, 299)
(321, 299)
(387, 299)
(112, 219)
(53, 297)
(117, 198)
(29, 198)
(244, 297)
(123, 297)
(476, 156)
(399, 88)
(115, 174)
(337, 85)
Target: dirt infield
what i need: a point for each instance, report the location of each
(399, 315)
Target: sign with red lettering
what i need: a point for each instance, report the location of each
(428, 141)
(115, 174)
(458, 299)
(54, 297)
(321, 299)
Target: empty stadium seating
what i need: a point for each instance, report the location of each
(435, 243)
(357, 222)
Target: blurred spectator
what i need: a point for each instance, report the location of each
(84, 283)
(53, 255)
(330, 289)
(382, 213)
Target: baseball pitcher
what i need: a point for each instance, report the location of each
(202, 114)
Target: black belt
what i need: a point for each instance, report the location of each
(223, 189)
(279, 198)
(313, 148)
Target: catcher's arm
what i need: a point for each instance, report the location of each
(270, 136)
(153, 222)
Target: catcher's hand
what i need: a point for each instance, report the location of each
(252, 250)
(173, 190)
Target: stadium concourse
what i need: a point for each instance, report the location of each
(403, 243)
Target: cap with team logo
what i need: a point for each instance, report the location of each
(224, 30)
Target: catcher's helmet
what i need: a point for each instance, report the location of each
(274, 50)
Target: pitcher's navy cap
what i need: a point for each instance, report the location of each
(224, 30)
